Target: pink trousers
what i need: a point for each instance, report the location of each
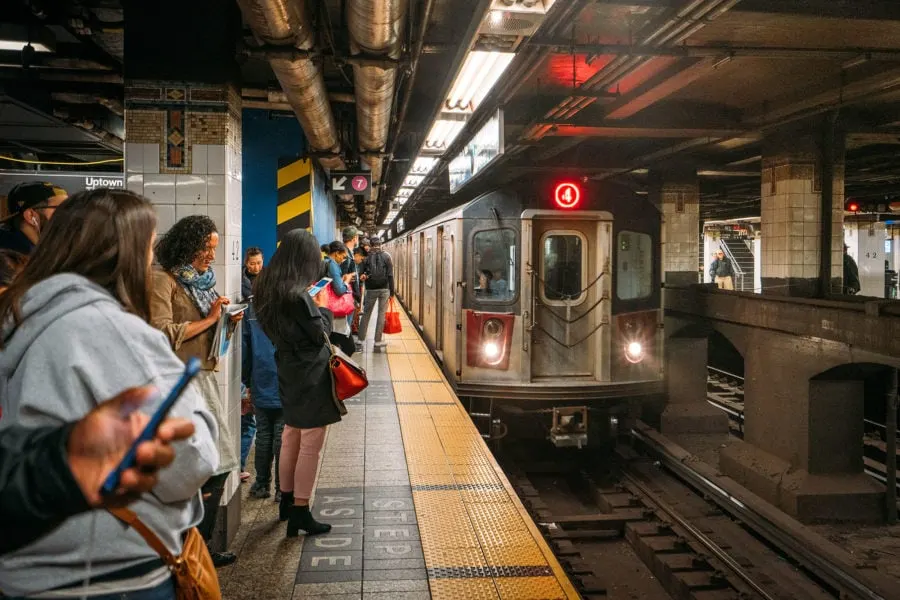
(300, 449)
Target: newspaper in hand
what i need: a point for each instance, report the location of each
(224, 328)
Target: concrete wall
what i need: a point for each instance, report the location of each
(266, 139)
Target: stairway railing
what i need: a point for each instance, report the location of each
(735, 266)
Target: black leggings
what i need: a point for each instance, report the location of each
(215, 487)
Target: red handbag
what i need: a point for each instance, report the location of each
(340, 306)
(392, 319)
(347, 378)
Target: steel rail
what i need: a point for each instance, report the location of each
(824, 568)
(707, 543)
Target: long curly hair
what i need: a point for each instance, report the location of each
(184, 241)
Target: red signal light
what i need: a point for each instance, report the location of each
(853, 207)
(567, 195)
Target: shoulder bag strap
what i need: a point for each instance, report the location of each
(131, 519)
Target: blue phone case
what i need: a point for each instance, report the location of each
(112, 481)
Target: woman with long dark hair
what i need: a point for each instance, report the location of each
(186, 307)
(298, 326)
(75, 332)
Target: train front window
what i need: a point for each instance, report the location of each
(494, 274)
(562, 266)
(634, 265)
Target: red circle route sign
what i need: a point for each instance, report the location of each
(359, 183)
(567, 195)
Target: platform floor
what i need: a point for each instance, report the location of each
(419, 507)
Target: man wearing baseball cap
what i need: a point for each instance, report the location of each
(31, 206)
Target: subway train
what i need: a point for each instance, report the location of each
(541, 301)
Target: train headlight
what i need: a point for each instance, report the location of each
(634, 352)
(493, 328)
(491, 350)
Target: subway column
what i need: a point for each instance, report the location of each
(183, 151)
(677, 194)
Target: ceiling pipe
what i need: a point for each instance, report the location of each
(287, 23)
(376, 29)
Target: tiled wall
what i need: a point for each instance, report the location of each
(680, 203)
(791, 218)
(183, 152)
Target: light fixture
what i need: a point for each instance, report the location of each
(442, 134)
(634, 352)
(405, 192)
(14, 38)
(413, 180)
(380, 233)
(477, 77)
(496, 17)
(423, 165)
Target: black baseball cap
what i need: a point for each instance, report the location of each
(30, 195)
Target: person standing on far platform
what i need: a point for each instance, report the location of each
(721, 272)
(851, 274)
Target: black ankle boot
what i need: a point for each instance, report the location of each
(284, 505)
(301, 518)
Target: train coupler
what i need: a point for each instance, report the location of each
(569, 427)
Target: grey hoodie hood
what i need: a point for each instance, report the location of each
(43, 304)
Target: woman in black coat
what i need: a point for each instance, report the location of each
(298, 326)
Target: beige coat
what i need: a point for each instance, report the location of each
(171, 309)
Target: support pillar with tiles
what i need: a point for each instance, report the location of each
(793, 221)
(677, 194)
(183, 152)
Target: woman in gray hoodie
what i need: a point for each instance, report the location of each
(75, 331)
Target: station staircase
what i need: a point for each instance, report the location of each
(737, 250)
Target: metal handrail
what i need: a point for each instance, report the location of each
(738, 271)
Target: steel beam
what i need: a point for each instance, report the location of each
(662, 87)
(712, 50)
(616, 131)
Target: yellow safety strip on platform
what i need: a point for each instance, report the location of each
(477, 538)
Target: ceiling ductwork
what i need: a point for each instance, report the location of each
(287, 23)
(376, 29)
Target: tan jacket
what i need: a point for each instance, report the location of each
(171, 309)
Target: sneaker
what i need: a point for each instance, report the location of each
(244, 476)
(380, 344)
(222, 559)
(360, 346)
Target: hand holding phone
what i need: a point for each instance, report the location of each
(319, 286)
(112, 482)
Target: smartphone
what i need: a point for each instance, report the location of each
(320, 285)
(112, 481)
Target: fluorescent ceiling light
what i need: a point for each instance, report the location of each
(413, 180)
(405, 192)
(442, 134)
(381, 233)
(16, 46)
(423, 165)
(477, 77)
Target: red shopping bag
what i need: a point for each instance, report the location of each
(392, 319)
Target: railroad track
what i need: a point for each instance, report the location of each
(726, 391)
(647, 525)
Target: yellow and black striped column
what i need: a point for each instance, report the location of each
(294, 196)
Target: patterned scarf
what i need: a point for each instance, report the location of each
(200, 287)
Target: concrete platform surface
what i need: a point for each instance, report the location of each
(419, 507)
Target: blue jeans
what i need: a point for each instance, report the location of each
(248, 430)
(164, 591)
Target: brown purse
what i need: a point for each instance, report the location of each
(193, 571)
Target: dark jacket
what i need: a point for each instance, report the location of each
(12, 238)
(246, 284)
(258, 369)
(35, 505)
(851, 275)
(379, 255)
(721, 268)
(349, 266)
(304, 376)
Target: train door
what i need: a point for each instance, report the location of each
(420, 270)
(439, 299)
(569, 297)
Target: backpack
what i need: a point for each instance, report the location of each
(377, 271)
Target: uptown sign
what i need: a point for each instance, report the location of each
(92, 183)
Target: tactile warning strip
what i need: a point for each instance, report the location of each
(476, 537)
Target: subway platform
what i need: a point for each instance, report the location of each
(419, 507)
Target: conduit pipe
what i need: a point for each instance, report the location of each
(376, 29)
(287, 23)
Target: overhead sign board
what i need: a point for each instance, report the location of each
(482, 150)
(349, 182)
(71, 181)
